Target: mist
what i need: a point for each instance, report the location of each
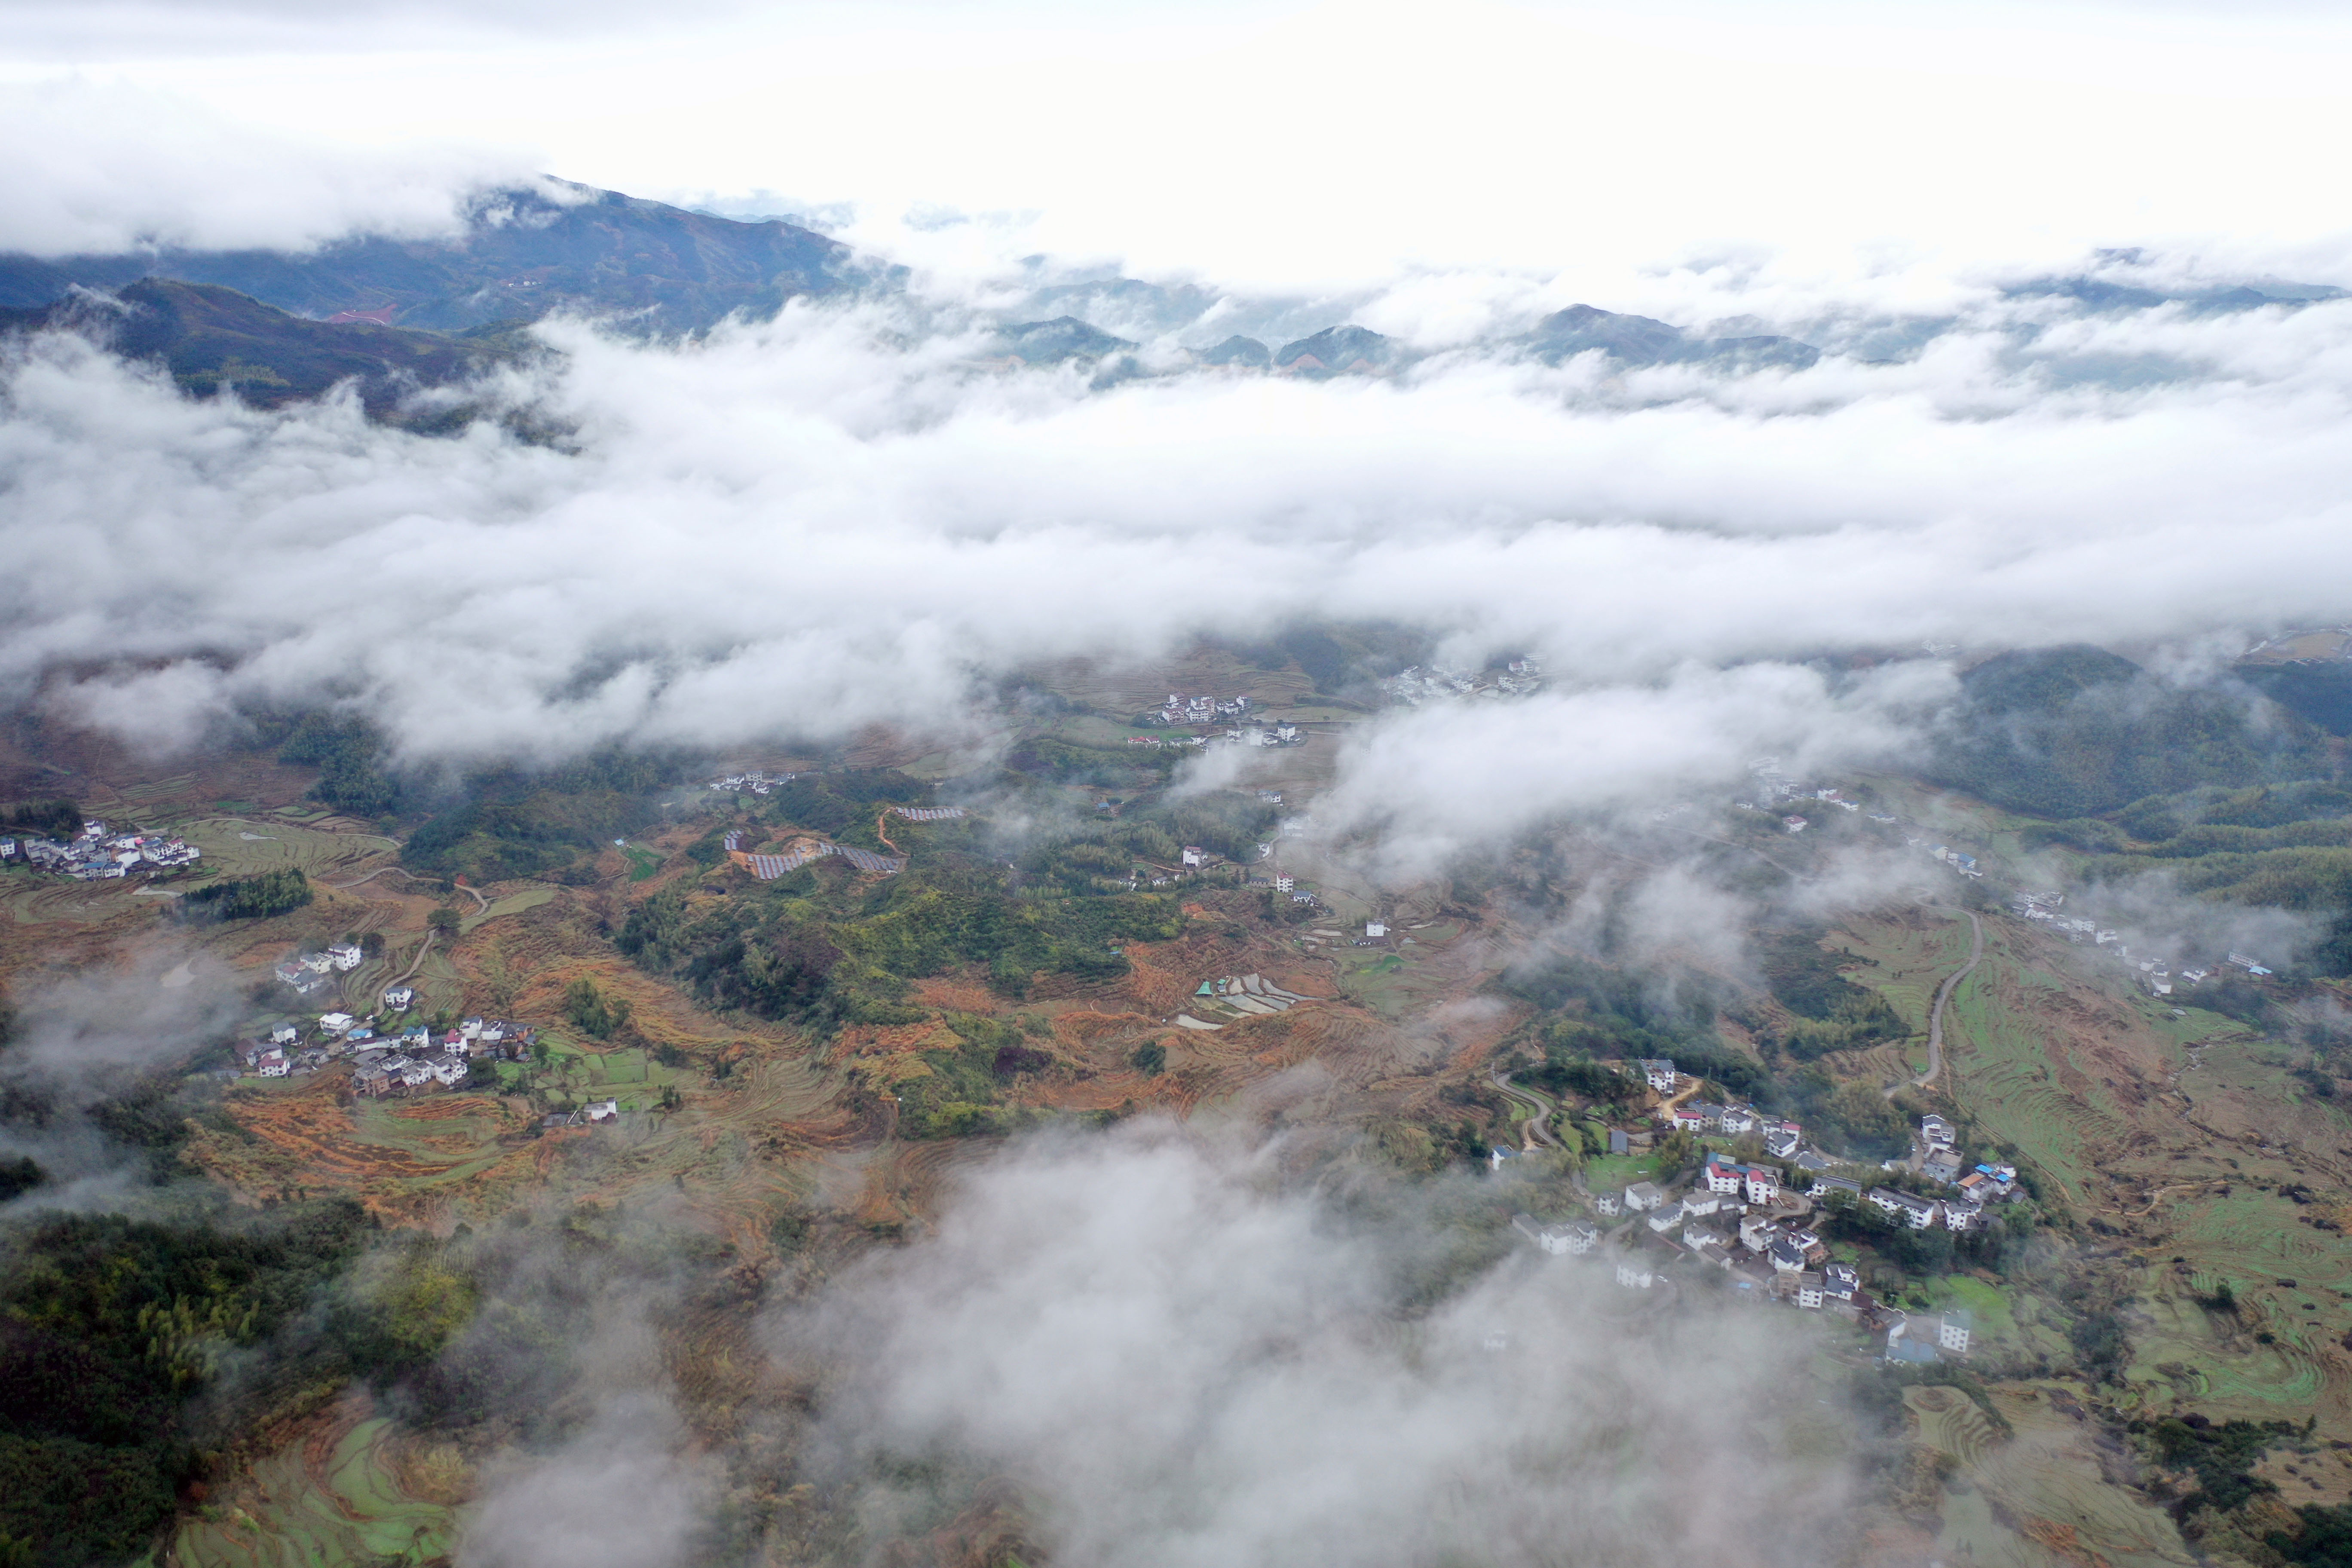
(1177, 1348)
(838, 518)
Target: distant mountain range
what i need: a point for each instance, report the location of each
(524, 253)
(396, 315)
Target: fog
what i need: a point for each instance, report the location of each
(1174, 1351)
(843, 518)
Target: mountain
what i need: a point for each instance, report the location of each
(2309, 673)
(524, 254)
(210, 337)
(1062, 338)
(1240, 351)
(1640, 340)
(1337, 350)
(2075, 730)
(2098, 294)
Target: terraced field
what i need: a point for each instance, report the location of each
(241, 847)
(2038, 1497)
(335, 1496)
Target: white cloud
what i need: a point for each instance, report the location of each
(1176, 1363)
(105, 167)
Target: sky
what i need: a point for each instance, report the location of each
(896, 530)
(1886, 146)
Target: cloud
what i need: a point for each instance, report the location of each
(557, 1510)
(834, 520)
(123, 169)
(1174, 1355)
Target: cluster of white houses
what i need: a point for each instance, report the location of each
(95, 854)
(306, 972)
(1180, 709)
(414, 1058)
(1733, 1220)
(753, 781)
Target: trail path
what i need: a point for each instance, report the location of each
(1936, 1017)
(1542, 1105)
(419, 963)
(482, 904)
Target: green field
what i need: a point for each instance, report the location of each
(340, 1507)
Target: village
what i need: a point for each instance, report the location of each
(1414, 686)
(1203, 711)
(2158, 974)
(97, 855)
(390, 1051)
(1770, 1243)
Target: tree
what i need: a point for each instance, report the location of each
(597, 1014)
(444, 921)
(1151, 1059)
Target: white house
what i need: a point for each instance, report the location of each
(1195, 856)
(273, 1064)
(1739, 1119)
(1783, 1141)
(1567, 1240)
(1634, 1274)
(316, 962)
(1952, 1330)
(1699, 1204)
(1763, 1184)
(345, 955)
(1919, 1213)
(1841, 1280)
(1375, 928)
(1721, 1175)
(1608, 1202)
(1642, 1196)
(284, 1035)
(603, 1110)
(1810, 1292)
(448, 1071)
(470, 1027)
(398, 997)
(1659, 1073)
(1786, 1258)
(1756, 1231)
(1935, 1132)
(336, 1023)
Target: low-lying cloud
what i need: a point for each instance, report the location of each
(1171, 1357)
(841, 518)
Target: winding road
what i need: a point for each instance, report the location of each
(482, 904)
(1936, 1017)
(1542, 1105)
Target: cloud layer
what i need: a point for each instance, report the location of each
(839, 519)
(1171, 1360)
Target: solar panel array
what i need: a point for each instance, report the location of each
(767, 868)
(929, 813)
(866, 860)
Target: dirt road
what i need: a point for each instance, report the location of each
(1936, 1015)
(1542, 1105)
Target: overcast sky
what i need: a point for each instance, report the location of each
(1267, 144)
(1675, 541)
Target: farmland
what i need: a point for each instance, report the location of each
(353, 1488)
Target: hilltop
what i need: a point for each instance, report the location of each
(525, 253)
